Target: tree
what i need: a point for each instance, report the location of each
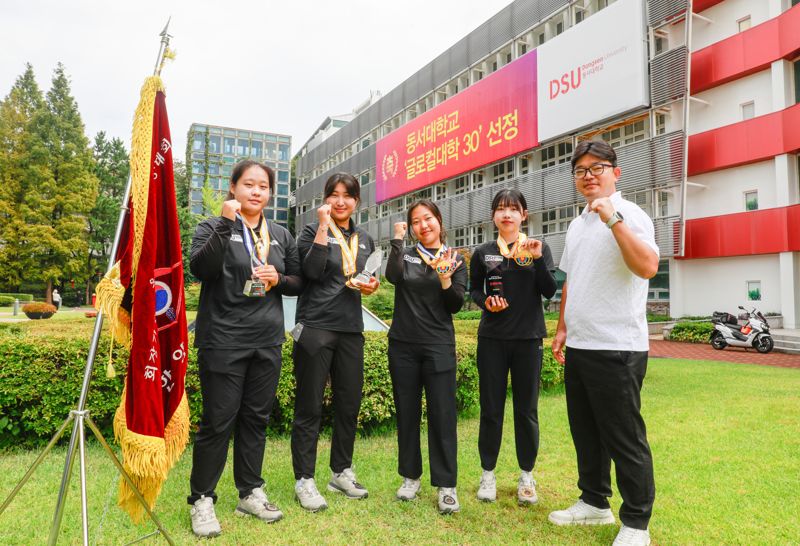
(61, 188)
(111, 169)
(187, 221)
(16, 114)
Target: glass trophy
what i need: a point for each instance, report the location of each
(494, 283)
(254, 287)
(373, 264)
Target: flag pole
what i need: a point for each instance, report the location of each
(81, 414)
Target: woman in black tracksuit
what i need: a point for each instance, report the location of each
(239, 340)
(509, 277)
(430, 281)
(329, 340)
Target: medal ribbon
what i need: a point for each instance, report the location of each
(251, 239)
(428, 257)
(503, 246)
(349, 252)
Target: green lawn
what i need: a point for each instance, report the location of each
(726, 449)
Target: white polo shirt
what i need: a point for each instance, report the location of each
(606, 302)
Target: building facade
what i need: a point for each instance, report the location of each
(706, 131)
(212, 151)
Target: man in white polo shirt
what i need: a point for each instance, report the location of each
(610, 254)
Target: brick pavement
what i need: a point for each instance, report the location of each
(704, 351)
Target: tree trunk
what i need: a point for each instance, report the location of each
(49, 293)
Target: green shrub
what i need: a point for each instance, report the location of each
(192, 295)
(381, 303)
(6, 300)
(552, 371)
(692, 332)
(20, 297)
(41, 371)
(468, 315)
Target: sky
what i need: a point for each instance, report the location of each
(270, 66)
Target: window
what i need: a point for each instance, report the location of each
(503, 171)
(283, 189)
(642, 198)
(578, 16)
(477, 180)
(662, 205)
(661, 44)
(556, 154)
(559, 27)
(282, 202)
(461, 185)
(228, 145)
(461, 236)
(214, 144)
(384, 210)
(243, 147)
(282, 215)
(441, 191)
(198, 142)
(283, 176)
(748, 110)
(751, 200)
(557, 220)
(256, 149)
(628, 134)
(661, 124)
(363, 216)
(283, 152)
(797, 79)
(272, 151)
(744, 23)
(525, 163)
(753, 290)
(540, 38)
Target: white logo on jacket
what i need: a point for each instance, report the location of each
(412, 259)
(492, 258)
(236, 238)
(332, 241)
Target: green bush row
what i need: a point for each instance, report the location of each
(7, 298)
(41, 368)
(692, 332)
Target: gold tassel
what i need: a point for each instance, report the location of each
(110, 373)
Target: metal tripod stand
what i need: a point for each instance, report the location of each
(80, 416)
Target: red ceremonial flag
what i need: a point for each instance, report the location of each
(144, 297)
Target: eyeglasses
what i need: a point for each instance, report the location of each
(597, 169)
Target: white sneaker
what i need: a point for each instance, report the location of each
(629, 536)
(204, 519)
(526, 489)
(345, 482)
(306, 492)
(256, 504)
(487, 490)
(581, 513)
(448, 501)
(408, 491)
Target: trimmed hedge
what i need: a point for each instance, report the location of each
(6, 300)
(692, 332)
(20, 297)
(41, 369)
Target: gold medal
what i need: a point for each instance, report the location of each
(349, 252)
(523, 257)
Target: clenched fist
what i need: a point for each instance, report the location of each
(231, 208)
(400, 230)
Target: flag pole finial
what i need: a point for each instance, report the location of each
(164, 51)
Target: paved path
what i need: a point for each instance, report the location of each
(704, 351)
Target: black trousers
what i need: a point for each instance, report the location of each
(238, 387)
(415, 367)
(523, 358)
(319, 354)
(603, 403)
